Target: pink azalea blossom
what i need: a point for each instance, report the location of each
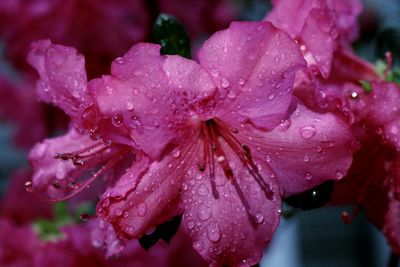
(373, 182)
(319, 26)
(25, 21)
(219, 141)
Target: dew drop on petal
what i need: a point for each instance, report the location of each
(308, 132)
(241, 81)
(176, 153)
(306, 158)
(118, 212)
(308, 176)
(199, 246)
(232, 94)
(394, 129)
(225, 83)
(339, 174)
(202, 190)
(28, 186)
(190, 225)
(259, 218)
(129, 105)
(271, 96)
(204, 213)
(117, 120)
(119, 60)
(141, 209)
(213, 233)
(130, 230)
(125, 214)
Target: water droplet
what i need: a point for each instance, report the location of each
(232, 94)
(394, 129)
(213, 232)
(190, 225)
(117, 120)
(125, 214)
(224, 83)
(28, 186)
(202, 190)
(339, 174)
(271, 96)
(220, 158)
(141, 209)
(170, 165)
(199, 246)
(268, 158)
(176, 153)
(306, 158)
(354, 95)
(106, 203)
(308, 176)
(129, 105)
(130, 230)
(119, 60)
(308, 132)
(204, 213)
(118, 212)
(259, 218)
(214, 72)
(109, 90)
(241, 81)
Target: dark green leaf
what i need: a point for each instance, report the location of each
(170, 34)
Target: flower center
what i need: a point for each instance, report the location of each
(213, 131)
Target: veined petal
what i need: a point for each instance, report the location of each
(233, 229)
(305, 150)
(253, 64)
(152, 96)
(62, 75)
(57, 176)
(147, 194)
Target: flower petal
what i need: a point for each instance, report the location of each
(147, 194)
(253, 64)
(233, 229)
(52, 174)
(152, 95)
(305, 150)
(62, 75)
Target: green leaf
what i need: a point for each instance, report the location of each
(170, 34)
(367, 86)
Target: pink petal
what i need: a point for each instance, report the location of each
(224, 230)
(392, 221)
(152, 95)
(147, 194)
(55, 176)
(382, 110)
(319, 40)
(305, 150)
(62, 75)
(253, 64)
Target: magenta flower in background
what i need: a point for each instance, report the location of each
(219, 142)
(83, 24)
(373, 182)
(321, 27)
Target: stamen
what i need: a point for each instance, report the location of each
(211, 131)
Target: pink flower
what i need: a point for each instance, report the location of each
(320, 26)
(23, 22)
(373, 182)
(219, 142)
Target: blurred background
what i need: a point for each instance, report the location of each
(304, 239)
